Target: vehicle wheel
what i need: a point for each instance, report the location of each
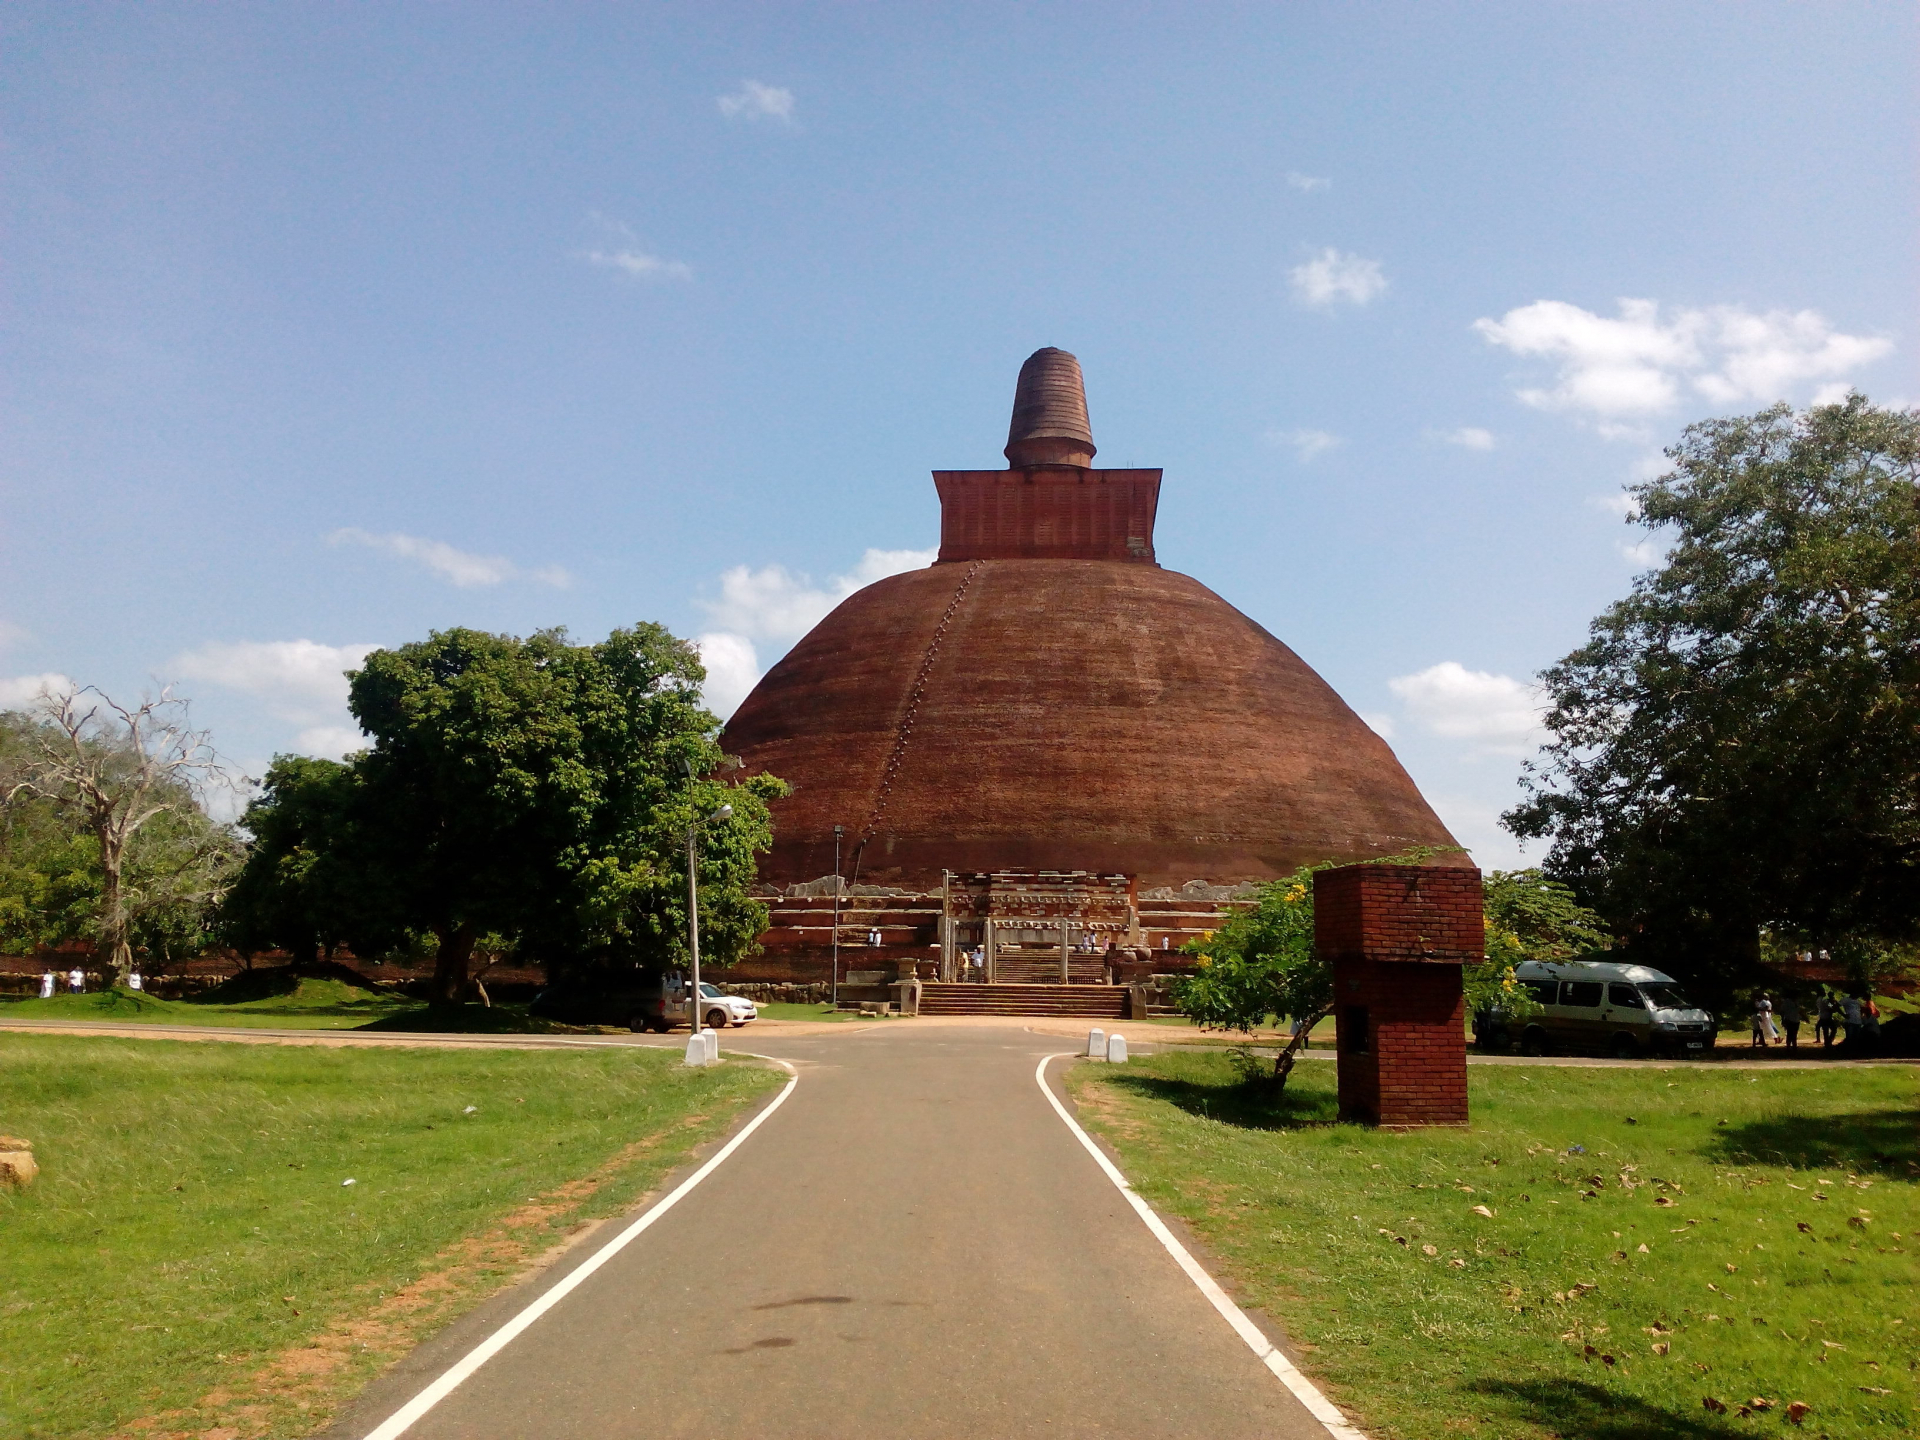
(1534, 1042)
(639, 1025)
(1625, 1047)
(716, 1020)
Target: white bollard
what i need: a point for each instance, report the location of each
(1096, 1044)
(1117, 1048)
(713, 1046)
(696, 1050)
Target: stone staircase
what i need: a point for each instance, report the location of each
(1040, 965)
(1090, 1002)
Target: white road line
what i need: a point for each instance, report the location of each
(403, 1419)
(1283, 1369)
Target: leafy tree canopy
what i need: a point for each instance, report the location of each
(1261, 961)
(1737, 745)
(103, 839)
(300, 890)
(530, 789)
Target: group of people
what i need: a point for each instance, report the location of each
(1856, 1014)
(77, 982)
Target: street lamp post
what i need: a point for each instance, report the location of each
(838, 832)
(725, 812)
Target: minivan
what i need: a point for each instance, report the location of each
(1592, 1005)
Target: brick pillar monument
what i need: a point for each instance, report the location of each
(1396, 937)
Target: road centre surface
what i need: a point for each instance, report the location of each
(914, 1246)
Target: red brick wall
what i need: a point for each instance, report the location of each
(1396, 936)
(1399, 912)
(1047, 512)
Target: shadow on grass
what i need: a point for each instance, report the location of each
(1248, 1104)
(1579, 1410)
(468, 1020)
(1886, 1140)
(247, 987)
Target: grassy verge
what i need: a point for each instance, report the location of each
(193, 1255)
(1658, 1238)
(781, 1010)
(309, 1004)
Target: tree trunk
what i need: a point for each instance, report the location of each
(1283, 1062)
(116, 949)
(450, 966)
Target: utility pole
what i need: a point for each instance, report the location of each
(838, 832)
(725, 812)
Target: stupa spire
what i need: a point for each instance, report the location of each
(1050, 424)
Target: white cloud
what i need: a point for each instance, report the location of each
(1469, 437)
(754, 101)
(1621, 504)
(733, 669)
(301, 674)
(1380, 723)
(1620, 370)
(1331, 277)
(1499, 713)
(1307, 444)
(1643, 554)
(638, 265)
(18, 692)
(776, 605)
(457, 567)
(330, 742)
(1308, 183)
(301, 682)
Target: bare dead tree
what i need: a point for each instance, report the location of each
(117, 770)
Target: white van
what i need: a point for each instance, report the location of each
(1594, 1006)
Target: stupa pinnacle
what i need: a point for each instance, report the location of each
(1050, 413)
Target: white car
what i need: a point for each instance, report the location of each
(718, 1009)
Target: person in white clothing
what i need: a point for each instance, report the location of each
(47, 983)
(76, 980)
(133, 981)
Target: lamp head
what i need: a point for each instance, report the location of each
(725, 812)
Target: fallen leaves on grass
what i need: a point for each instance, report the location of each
(1797, 1411)
(1482, 1210)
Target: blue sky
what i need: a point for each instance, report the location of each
(329, 325)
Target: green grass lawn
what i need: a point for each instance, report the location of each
(1658, 1238)
(192, 1226)
(311, 1003)
(781, 1010)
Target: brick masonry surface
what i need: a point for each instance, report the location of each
(1397, 936)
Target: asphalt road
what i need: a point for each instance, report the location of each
(914, 1245)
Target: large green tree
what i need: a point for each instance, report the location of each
(1737, 745)
(530, 790)
(103, 834)
(302, 889)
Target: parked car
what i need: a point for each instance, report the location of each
(641, 1001)
(1598, 1007)
(668, 1007)
(608, 1000)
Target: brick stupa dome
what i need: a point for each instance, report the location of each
(1046, 697)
